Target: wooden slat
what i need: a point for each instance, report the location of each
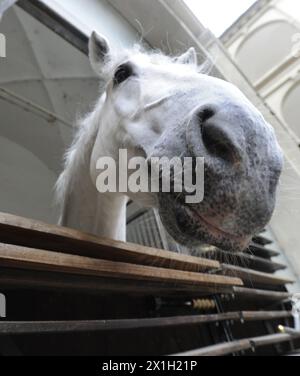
(259, 263)
(256, 294)
(265, 315)
(220, 349)
(253, 277)
(12, 279)
(273, 339)
(261, 251)
(246, 260)
(262, 240)
(44, 327)
(27, 258)
(239, 345)
(13, 328)
(35, 234)
(294, 353)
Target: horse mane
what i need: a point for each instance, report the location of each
(78, 154)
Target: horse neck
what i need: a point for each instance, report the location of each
(84, 208)
(110, 217)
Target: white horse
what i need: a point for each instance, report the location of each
(154, 105)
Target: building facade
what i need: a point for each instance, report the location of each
(265, 44)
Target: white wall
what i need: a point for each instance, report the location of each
(89, 15)
(26, 183)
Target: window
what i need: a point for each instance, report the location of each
(291, 109)
(272, 43)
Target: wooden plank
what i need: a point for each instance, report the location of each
(35, 234)
(262, 240)
(294, 353)
(261, 251)
(273, 339)
(246, 260)
(256, 294)
(11, 279)
(265, 315)
(258, 263)
(27, 258)
(220, 349)
(44, 327)
(239, 345)
(254, 277)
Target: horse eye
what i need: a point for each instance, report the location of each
(123, 73)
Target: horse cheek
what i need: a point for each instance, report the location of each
(127, 99)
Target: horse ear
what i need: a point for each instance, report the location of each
(189, 57)
(98, 51)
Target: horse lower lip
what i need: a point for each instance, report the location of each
(214, 229)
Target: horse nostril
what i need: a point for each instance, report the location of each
(205, 114)
(217, 141)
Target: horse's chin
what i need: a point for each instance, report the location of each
(189, 228)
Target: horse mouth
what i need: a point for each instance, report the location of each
(241, 242)
(191, 228)
(218, 236)
(209, 223)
